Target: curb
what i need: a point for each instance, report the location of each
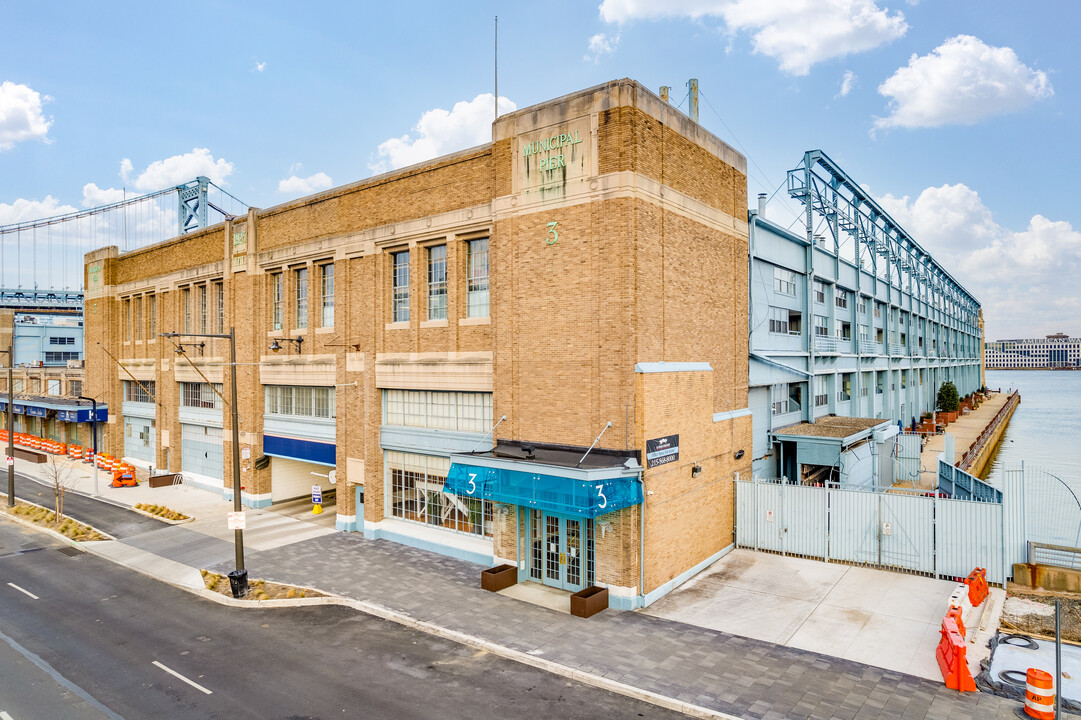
(385, 613)
(81, 544)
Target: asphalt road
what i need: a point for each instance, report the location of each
(120, 522)
(98, 640)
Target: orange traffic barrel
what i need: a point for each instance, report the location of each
(1039, 695)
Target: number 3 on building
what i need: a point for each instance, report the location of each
(552, 236)
(600, 494)
(472, 484)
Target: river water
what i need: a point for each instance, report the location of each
(1046, 427)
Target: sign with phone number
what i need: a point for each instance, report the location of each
(662, 450)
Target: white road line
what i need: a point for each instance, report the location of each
(5, 716)
(25, 592)
(174, 673)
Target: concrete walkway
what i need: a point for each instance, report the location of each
(714, 670)
(965, 431)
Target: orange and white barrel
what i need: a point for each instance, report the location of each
(1039, 695)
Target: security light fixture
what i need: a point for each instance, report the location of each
(276, 346)
(739, 454)
(696, 470)
(181, 351)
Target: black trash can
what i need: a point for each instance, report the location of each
(238, 582)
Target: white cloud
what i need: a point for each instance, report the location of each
(177, 169)
(25, 210)
(304, 186)
(1016, 274)
(93, 196)
(259, 66)
(21, 117)
(848, 82)
(798, 33)
(960, 82)
(439, 132)
(599, 46)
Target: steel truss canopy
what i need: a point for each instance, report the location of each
(882, 246)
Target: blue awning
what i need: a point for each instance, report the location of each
(551, 493)
(64, 413)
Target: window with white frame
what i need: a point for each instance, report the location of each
(202, 309)
(152, 313)
(779, 406)
(822, 326)
(821, 391)
(75, 388)
(52, 387)
(878, 311)
(820, 292)
(840, 299)
(326, 293)
(201, 395)
(300, 276)
(437, 282)
(477, 278)
(778, 320)
(861, 305)
(438, 410)
(219, 302)
(784, 281)
(400, 286)
(844, 392)
(795, 397)
(138, 319)
(843, 330)
(865, 334)
(127, 320)
(277, 298)
(300, 401)
(416, 494)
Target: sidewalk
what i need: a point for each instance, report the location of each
(712, 669)
(965, 431)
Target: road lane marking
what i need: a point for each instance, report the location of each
(174, 673)
(25, 592)
(5, 716)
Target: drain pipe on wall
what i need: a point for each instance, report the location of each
(642, 544)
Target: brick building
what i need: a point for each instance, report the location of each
(583, 275)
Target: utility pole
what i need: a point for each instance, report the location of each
(11, 426)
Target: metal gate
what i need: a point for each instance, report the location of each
(906, 467)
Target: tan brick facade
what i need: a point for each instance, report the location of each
(627, 244)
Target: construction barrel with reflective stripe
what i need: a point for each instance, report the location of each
(1039, 695)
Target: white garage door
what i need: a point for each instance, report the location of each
(290, 479)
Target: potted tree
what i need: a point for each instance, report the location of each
(948, 401)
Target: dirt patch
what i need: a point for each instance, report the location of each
(258, 589)
(1032, 612)
(46, 518)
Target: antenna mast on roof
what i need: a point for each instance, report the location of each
(496, 67)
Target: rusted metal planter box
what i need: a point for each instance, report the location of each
(498, 578)
(589, 601)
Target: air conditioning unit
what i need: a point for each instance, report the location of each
(75, 364)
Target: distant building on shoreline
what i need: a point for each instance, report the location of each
(1055, 352)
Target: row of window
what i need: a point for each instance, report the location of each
(133, 316)
(53, 357)
(437, 410)
(54, 340)
(300, 401)
(51, 386)
(325, 273)
(788, 397)
(784, 283)
(784, 321)
(476, 279)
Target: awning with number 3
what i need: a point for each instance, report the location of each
(588, 495)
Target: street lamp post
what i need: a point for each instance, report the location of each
(11, 429)
(238, 533)
(93, 436)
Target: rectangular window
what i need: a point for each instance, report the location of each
(59, 357)
(52, 387)
(19, 385)
(138, 321)
(134, 392)
(186, 294)
(843, 330)
(821, 393)
(219, 302)
(437, 282)
(461, 411)
(861, 306)
(477, 279)
(416, 492)
(326, 294)
(784, 281)
(300, 401)
(75, 388)
(878, 311)
(822, 326)
(878, 335)
(841, 299)
(778, 320)
(780, 399)
(202, 309)
(152, 312)
(127, 320)
(795, 397)
(865, 334)
(820, 292)
(904, 379)
(400, 286)
(844, 393)
(201, 395)
(276, 299)
(301, 278)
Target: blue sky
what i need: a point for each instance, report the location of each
(959, 117)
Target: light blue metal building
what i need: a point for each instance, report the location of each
(849, 316)
(46, 340)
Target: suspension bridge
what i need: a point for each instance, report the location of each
(45, 255)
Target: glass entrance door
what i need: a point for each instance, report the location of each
(560, 550)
